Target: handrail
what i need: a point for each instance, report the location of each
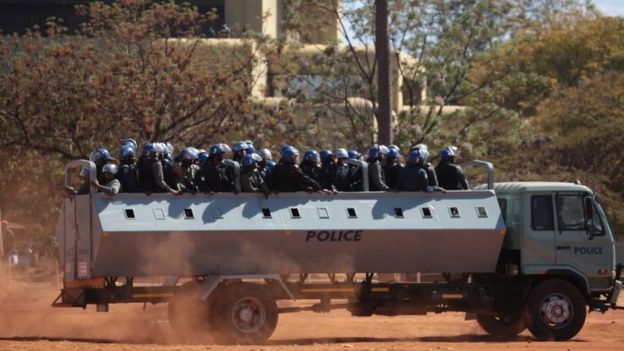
(483, 164)
(89, 165)
(364, 166)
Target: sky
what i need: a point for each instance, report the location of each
(610, 7)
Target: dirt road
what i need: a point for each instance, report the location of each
(28, 323)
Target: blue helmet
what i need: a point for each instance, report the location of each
(100, 154)
(392, 153)
(311, 156)
(202, 157)
(188, 154)
(270, 164)
(129, 142)
(160, 148)
(126, 152)
(147, 149)
(250, 147)
(289, 155)
(354, 154)
(216, 149)
(250, 160)
(284, 147)
(446, 153)
(415, 157)
(376, 151)
(341, 153)
(240, 146)
(325, 155)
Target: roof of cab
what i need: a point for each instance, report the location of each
(515, 187)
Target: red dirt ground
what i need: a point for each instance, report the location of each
(28, 323)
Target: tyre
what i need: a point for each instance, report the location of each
(556, 310)
(247, 314)
(502, 327)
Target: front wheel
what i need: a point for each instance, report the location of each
(556, 309)
(246, 315)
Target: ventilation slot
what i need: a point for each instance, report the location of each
(454, 211)
(294, 213)
(188, 213)
(398, 212)
(351, 212)
(481, 212)
(426, 212)
(129, 213)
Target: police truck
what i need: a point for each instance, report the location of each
(512, 256)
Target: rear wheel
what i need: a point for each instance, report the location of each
(557, 310)
(503, 327)
(247, 314)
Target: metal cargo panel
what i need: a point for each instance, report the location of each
(164, 234)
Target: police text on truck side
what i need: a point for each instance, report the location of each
(334, 235)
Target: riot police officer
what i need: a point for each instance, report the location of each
(288, 177)
(250, 178)
(450, 176)
(392, 166)
(311, 165)
(239, 150)
(376, 158)
(413, 176)
(112, 184)
(355, 171)
(151, 175)
(127, 174)
(431, 173)
(186, 169)
(213, 174)
(337, 174)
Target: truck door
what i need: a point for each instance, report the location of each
(539, 238)
(581, 240)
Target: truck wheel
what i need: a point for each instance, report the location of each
(556, 309)
(502, 327)
(247, 314)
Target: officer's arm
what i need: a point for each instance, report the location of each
(112, 188)
(377, 177)
(423, 181)
(461, 179)
(160, 178)
(432, 177)
(304, 182)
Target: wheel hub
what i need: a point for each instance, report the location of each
(248, 315)
(556, 311)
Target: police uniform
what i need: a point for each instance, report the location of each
(451, 176)
(376, 176)
(213, 178)
(412, 178)
(289, 178)
(127, 176)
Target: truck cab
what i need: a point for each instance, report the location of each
(559, 229)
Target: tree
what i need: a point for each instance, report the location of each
(125, 72)
(382, 55)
